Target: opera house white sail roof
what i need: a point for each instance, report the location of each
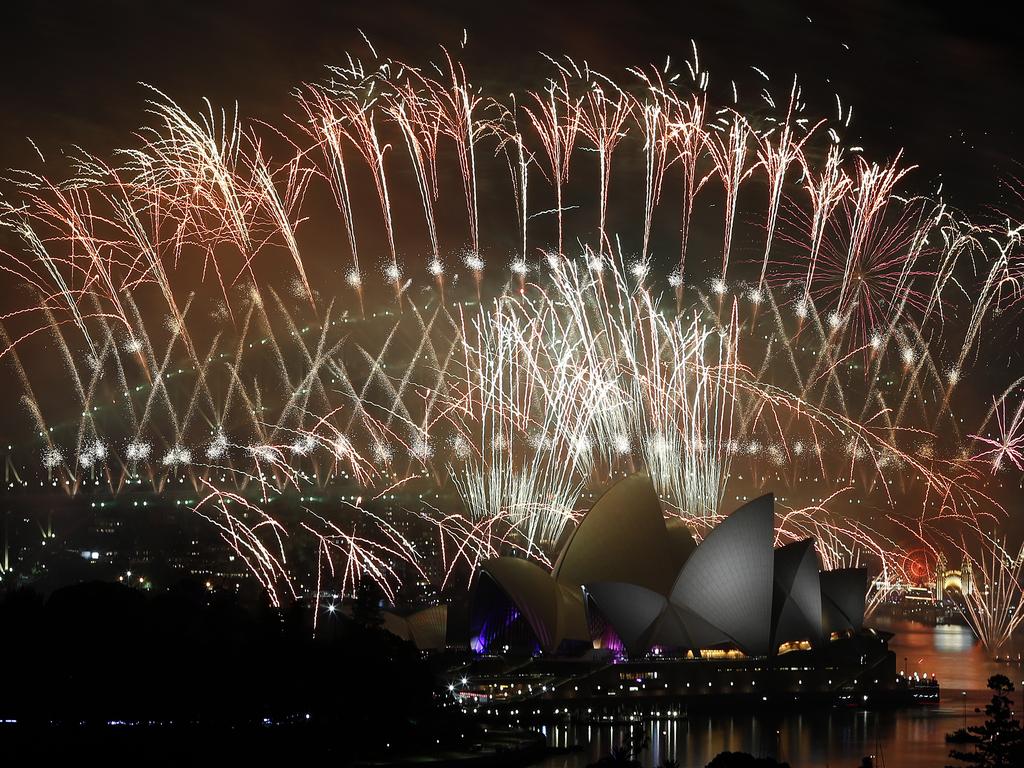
(624, 568)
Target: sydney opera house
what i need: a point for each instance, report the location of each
(634, 607)
(628, 582)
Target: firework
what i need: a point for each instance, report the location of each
(825, 368)
(994, 607)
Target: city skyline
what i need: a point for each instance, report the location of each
(355, 319)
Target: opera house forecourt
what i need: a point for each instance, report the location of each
(635, 612)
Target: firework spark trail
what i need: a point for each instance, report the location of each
(776, 160)
(196, 166)
(266, 562)
(282, 208)
(602, 122)
(556, 120)
(546, 389)
(508, 370)
(688, 139)
(873, 187)
(1009, 446)
(844, 544)
(1000, 278)
(826, 190)
(625, 328)
(656, 110)
(518, 166)
(355, 120)
(409, 111)
(994, 606)
(730, 158)
(24, 271)
(329, 138)
(362, 556)
(645, 381)
(454, 106)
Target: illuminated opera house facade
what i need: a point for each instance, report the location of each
(628, 582)
(635, 609)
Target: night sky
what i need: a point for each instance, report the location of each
(943, 80)
(268, 362)
(943, 84)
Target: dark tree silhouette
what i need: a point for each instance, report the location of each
(744, 760)
(998, 742)
(198, 665)
(366, 608)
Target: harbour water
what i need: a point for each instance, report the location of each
(904, 738)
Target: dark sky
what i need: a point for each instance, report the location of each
(943, 80)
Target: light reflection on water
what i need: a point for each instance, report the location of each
(952, 638)
(907, 738)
